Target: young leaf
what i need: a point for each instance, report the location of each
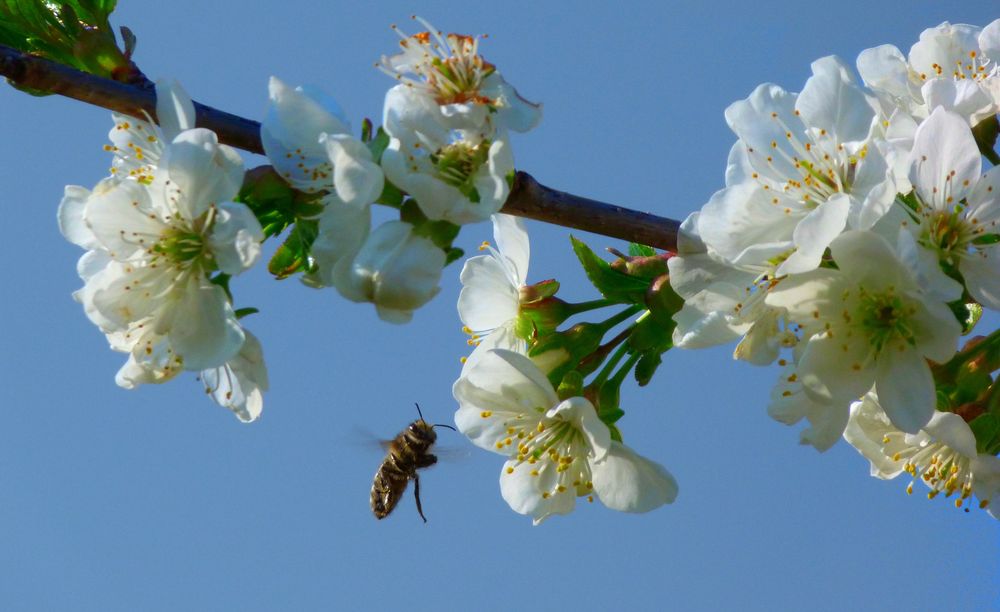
(612, 284)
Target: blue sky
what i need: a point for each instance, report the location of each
(157, 499)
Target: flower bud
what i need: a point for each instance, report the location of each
(396, 270)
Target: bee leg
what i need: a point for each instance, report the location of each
(416, 494)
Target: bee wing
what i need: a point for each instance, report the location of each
(451, 454)
(364, 438)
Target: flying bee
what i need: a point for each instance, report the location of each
(408, 452)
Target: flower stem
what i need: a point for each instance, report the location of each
(609, 367)
(579, 307)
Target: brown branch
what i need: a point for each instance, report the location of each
(528, 198)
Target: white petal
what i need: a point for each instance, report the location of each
(174, 108)
(487, 299)
(866, 432)
(70, 217)
(945, 162)
(885, 68)
(982, 276)
(832, 101)
(523, 491)
(512, 241)
(628, 482)
(952, 430)
(123, 218)
(203, 329)
(235, 238)
(834, 369)
(204, 171)
(814, 233)
(239, 384)
(356, 178)
(905, 388)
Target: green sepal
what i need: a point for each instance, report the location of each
(986, 428)
(653, 333)
(616, 435)
(967, 313)
(246, 312)
(366, 130)
(576, 343)
(571, 385)
(270, 197)
(985, 133)
(378, 144)
(612, 284)
(441, 233)
(608, 398)
(391, 195)
(293, 254)
(221, 279)
(986, 240)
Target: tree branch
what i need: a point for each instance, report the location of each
(528, 198)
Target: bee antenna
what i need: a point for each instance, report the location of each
(418, 411)
(443, 425)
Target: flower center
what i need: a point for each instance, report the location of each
(940, 467)
(450, 67)
(814, 165)
(181, 247)
(552, 449)
(458, 163)
(968, 65)
(948, 233)
(885, 318)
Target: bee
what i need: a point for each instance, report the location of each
(408, 452)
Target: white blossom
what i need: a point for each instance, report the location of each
(805, 168)
(958, 59)
(397, 269)
(557, 450)
(958, 212)
(871, 322)
(490, 300)
(239, 383)
(942, 454)
(453, 88)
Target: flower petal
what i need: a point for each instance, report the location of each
(628, 482)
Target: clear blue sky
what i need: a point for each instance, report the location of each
(156, 499)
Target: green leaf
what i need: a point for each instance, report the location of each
(612, 284)
(647, 366)
(293, 255)
(452, 254)
(986, 428)
(640, 250)
(245, 312)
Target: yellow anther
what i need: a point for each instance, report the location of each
(486, 414)
(510, 470)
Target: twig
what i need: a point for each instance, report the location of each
(528, 198)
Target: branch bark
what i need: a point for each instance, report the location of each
(528, 198)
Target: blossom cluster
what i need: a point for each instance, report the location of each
(445, 145)
(160, 234)
(855, 241)
(556, 445)
(178, 216)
